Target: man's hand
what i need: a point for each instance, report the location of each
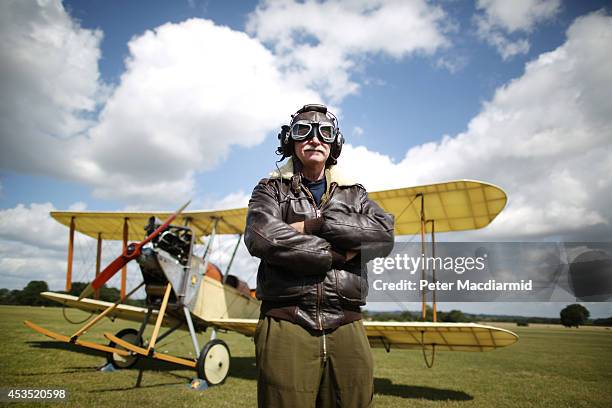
(298, 226)
(350, 254)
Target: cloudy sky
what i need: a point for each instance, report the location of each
(109, 105)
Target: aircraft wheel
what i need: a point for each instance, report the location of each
(214, 362)
(118, 361)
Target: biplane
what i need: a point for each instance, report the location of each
(185, 291)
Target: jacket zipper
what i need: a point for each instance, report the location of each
(317, 212)
(321, 323)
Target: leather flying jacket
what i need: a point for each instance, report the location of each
(309, 270)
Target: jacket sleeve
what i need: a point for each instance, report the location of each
(370, 231)
(272, 240)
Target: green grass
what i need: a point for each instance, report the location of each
(548, 367)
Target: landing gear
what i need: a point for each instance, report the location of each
(131, 336)
(214, 362)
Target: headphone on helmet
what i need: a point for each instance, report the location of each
(285, 147)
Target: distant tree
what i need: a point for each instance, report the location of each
(77, 287)
(7, 297)
(454, 316)
(30, 295)
(13, 297)
(406, 316)
(603, 322)
(106, 293)
(109, 294)
(574, 315)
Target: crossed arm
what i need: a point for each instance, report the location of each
(312, 247)
(299, 227)
(369, 231)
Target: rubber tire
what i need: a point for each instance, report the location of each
(214, 362)
(121, 362)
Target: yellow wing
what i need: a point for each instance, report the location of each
(412, 335)
(446, 336)
(454, 205)
(110, 224)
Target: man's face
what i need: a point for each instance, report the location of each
(313, 151)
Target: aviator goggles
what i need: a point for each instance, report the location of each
(303, 129)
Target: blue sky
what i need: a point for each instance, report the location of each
(110, 105)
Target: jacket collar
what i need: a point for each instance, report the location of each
(334, 173)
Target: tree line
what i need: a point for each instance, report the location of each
(574, 315)
(30, 295)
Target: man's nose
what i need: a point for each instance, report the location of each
(316, 136)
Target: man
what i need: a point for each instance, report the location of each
(312, 228)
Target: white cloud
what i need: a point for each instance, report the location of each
(519, 15)
(32, 226)
(50, 83)
(16, 271)
(190, 91)
(238, 199)
(322, 43)
(545, 137)
(452, 64)
(498, 20)
(357, 131)
(33, 246)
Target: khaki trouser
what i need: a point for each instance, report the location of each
(298, 369)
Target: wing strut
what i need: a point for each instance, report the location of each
(194, 338)
(229, 265)
(70, 255)
(104, 313)
(160, 318)
(424, 290)
(433, 268)
(424, 222)
(125, 249)
(207, 251)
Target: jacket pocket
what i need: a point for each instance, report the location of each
(351, 287)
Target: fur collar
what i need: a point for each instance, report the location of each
(335, 173)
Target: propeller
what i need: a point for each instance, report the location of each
(132, 252)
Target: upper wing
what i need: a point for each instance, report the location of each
(454, 205)
(125, 312)
(110, 224)
(445, 336)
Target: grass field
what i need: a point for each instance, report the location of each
(548, 367)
